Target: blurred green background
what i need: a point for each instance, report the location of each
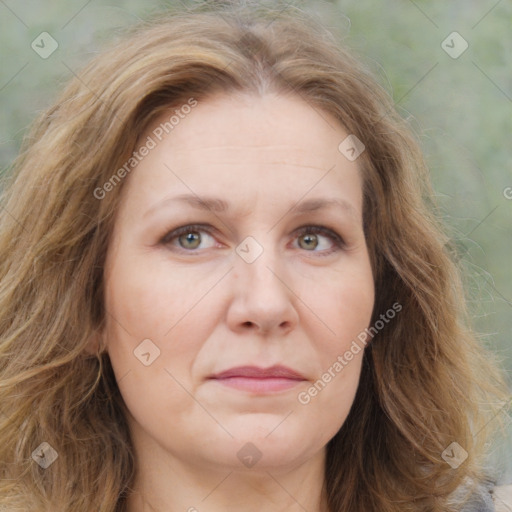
(460, 106)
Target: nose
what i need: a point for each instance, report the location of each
(262, 301)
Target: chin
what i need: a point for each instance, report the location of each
(254, 449)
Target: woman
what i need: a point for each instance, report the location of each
(222, 287)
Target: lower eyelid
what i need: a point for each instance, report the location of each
(174, 239)
(325, 232)
(172, 236)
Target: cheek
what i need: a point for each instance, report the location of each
(345, 305)
(347, 310)
(151, 298)
(326, 403)
(156, 318)
(152, 336)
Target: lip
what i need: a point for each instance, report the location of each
(259, 380)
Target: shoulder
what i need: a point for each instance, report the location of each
(502, 497)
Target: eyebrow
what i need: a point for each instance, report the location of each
(218, 205)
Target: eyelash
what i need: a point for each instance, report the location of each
(338, 242)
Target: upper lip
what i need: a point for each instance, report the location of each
(254, 372)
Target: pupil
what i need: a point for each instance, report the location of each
(191, 240)
(310, 241)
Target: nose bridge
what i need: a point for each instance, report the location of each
(257, 266)
(262, 297)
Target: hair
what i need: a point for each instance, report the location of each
(425, 378)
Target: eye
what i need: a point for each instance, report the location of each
(319, 239)
(189, 238)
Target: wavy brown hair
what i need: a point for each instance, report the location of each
(424, 378)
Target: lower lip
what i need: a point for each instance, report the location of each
(256, 385)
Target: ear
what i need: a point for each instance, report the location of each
(95, 344)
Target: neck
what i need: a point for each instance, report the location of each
(167, 483)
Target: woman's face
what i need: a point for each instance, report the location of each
(213, 277)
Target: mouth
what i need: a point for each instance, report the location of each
(259, 380)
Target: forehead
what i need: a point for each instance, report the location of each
(243, 145)
(275, 128)
(231, 118)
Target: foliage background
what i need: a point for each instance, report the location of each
(461, 109)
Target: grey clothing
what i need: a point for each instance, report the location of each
(481, 500)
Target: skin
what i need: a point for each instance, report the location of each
(301, 303)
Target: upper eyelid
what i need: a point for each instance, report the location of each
(210, 230)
